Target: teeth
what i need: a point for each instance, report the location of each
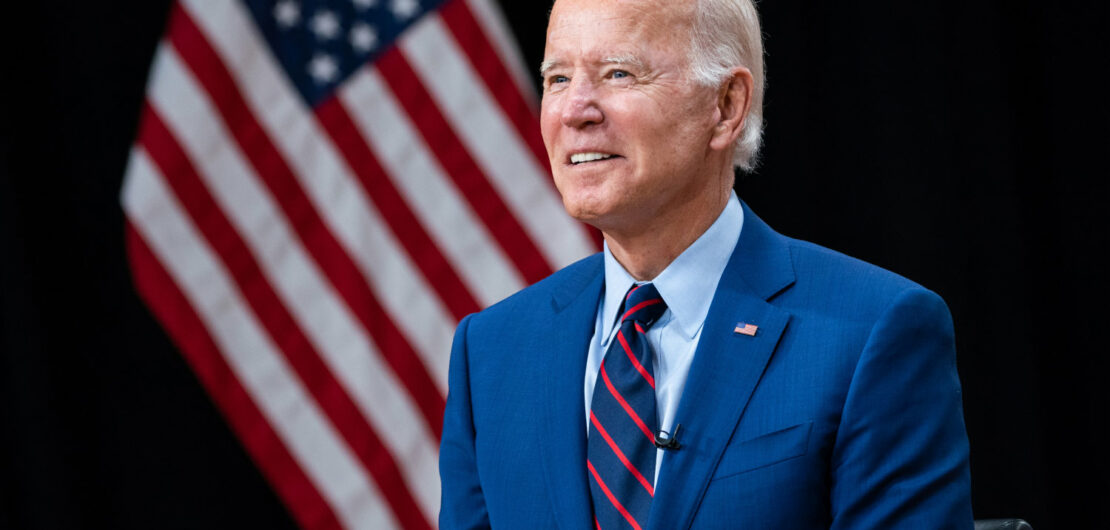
(587, 157)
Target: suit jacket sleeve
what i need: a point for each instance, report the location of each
(900, 459)
(462, 502)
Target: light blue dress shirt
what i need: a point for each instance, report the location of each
(687, 286)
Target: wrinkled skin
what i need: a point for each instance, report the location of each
(617, 83)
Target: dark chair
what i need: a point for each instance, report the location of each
(1002, 524)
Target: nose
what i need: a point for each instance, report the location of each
(582, 108)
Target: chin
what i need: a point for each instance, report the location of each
(582, 209)
(580, 212)
(602, 216)
(592, 202)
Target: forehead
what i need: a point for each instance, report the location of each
(597, 29)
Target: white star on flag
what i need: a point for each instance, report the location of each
(325, 25)
(287, 13)
(404, 9)
(363, 37)
(323, 69)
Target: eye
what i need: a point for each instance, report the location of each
(556, 79)
(619, 74)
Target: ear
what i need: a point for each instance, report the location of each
(734, 98)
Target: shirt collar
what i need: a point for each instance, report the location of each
(687, 285)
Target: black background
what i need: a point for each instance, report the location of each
(960, 144)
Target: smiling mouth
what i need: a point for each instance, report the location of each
(582, 158)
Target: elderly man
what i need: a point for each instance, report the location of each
(703, 371)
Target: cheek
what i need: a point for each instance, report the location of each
(549, 123)
(684, 140)
(659, 143)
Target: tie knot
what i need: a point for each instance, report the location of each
(643, 304)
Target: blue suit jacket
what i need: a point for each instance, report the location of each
(843, 410)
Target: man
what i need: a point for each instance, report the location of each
(703, 371)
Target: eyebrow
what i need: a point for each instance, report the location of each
(625, 59)
(546, 66)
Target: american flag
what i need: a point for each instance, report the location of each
(319, 190)
(743, 328)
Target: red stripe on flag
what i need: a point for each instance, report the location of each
(273, 170)
(176, 314)
(282, 328)
(436, 269)
(464, 171)
(467, 32)
(479, 50)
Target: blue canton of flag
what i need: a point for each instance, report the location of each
(322, 42)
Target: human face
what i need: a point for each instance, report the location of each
(616, 84)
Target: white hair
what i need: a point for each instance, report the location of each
(726, 34)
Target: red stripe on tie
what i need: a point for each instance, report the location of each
(624, 404)
(640, 306)
(597, 524)
(620, 454)
(612, 498)
(635, 361)
(634, 288)
(641, 330)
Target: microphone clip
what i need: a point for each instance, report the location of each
(668, 441)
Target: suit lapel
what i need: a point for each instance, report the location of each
(563, 411)
(727, 367)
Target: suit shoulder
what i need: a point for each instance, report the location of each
(810, 257)
(856, 285)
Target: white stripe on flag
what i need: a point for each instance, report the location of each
(344, 345)
(495, 27)
(494, 143)
(327, 461)
(329, 184)
(430, 193)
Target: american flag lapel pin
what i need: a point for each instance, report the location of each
(743, 328)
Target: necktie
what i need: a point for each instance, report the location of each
(621, 451)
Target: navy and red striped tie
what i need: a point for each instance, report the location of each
(621, 449)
